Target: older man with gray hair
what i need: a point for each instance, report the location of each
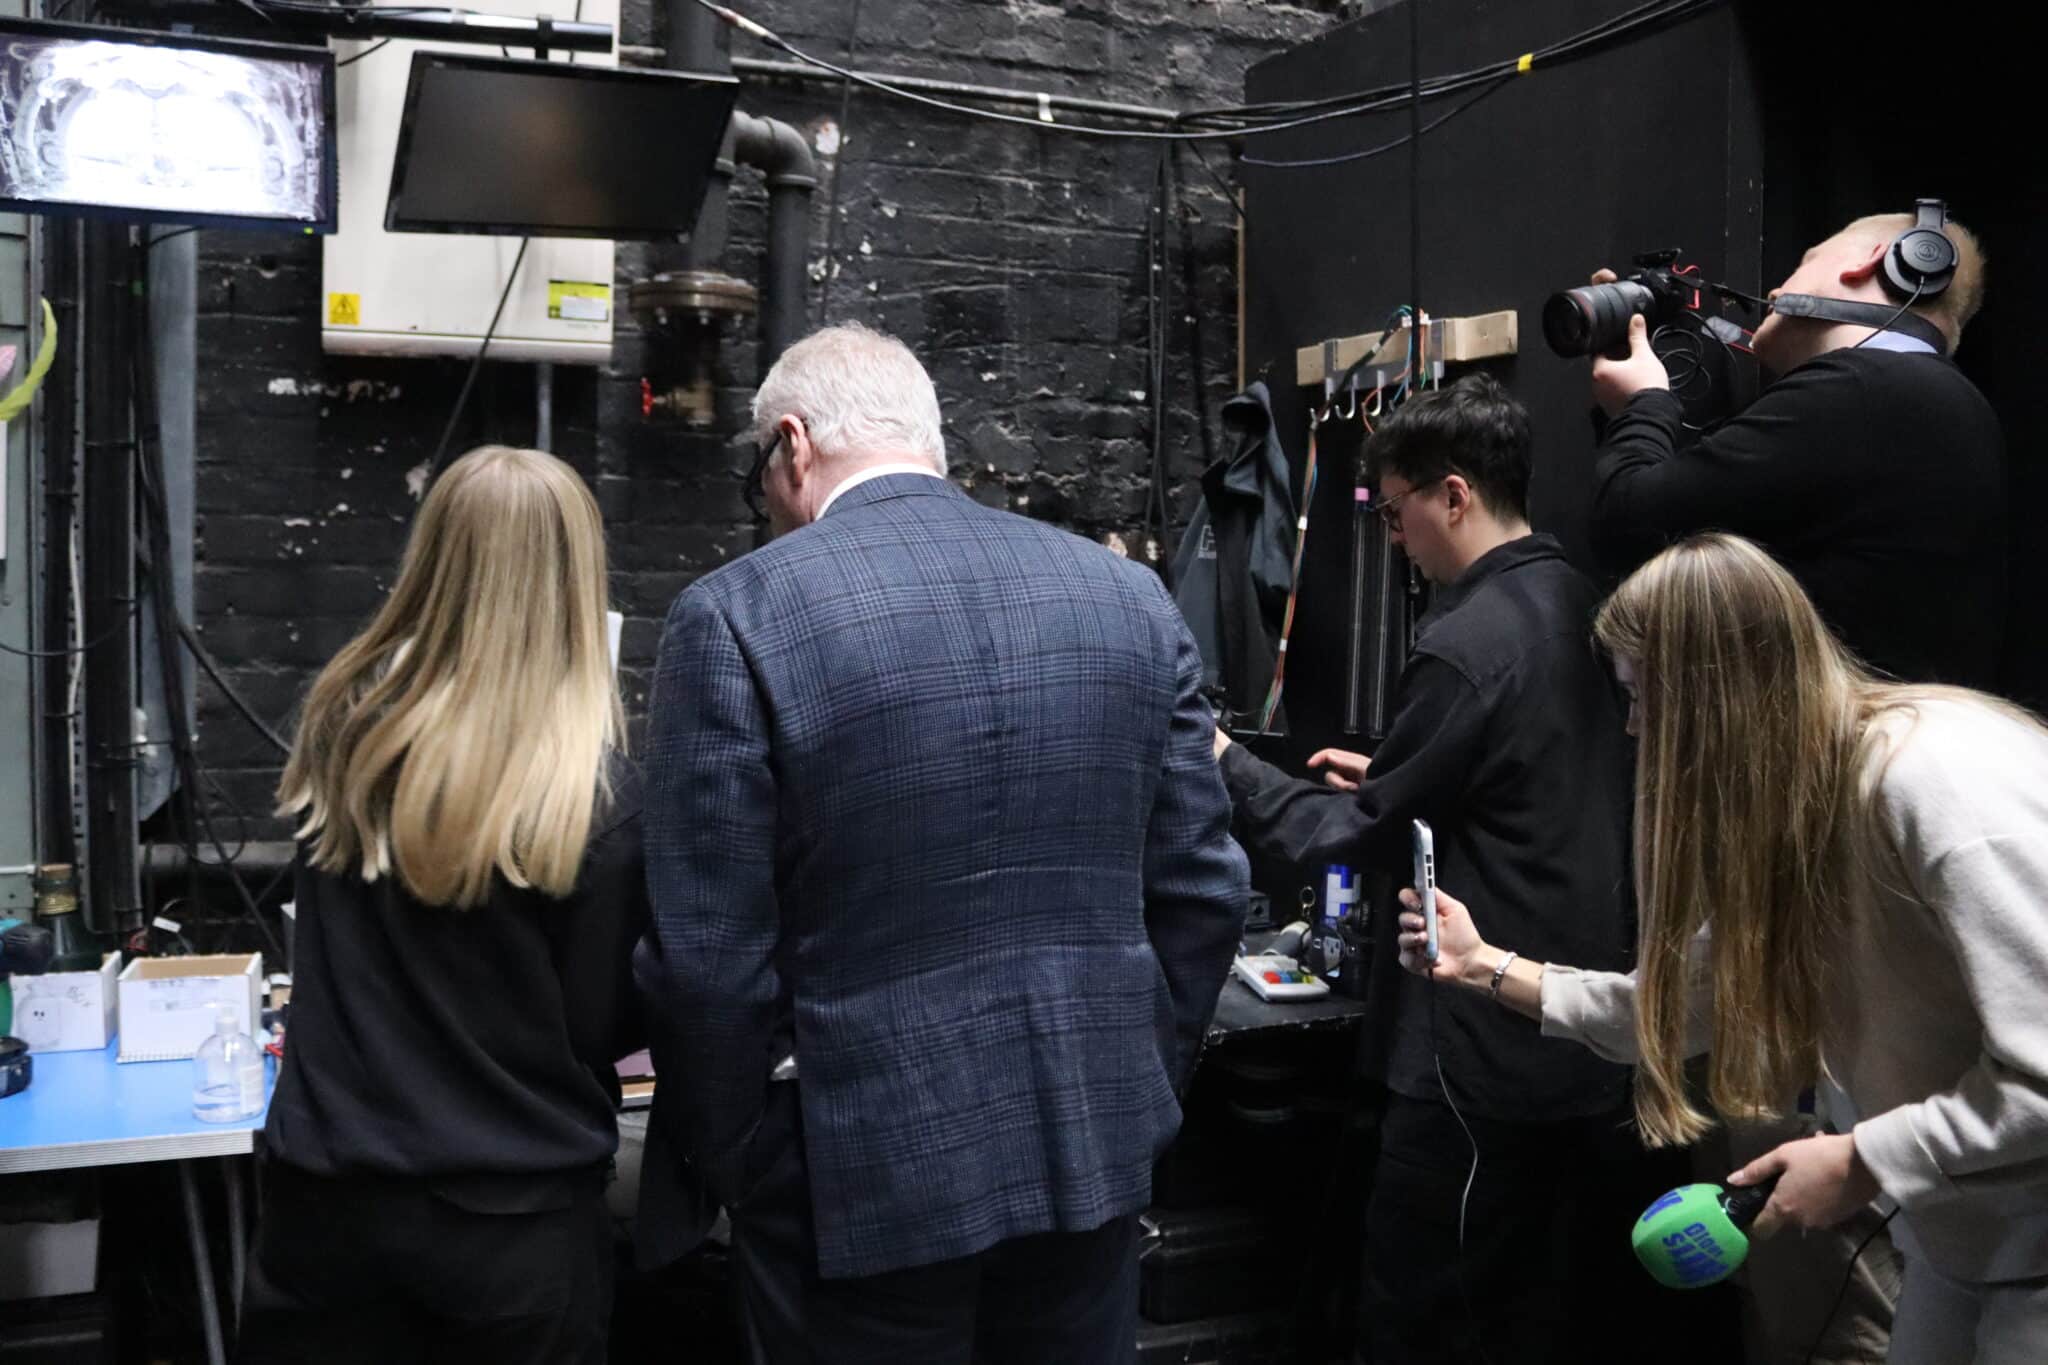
(943, 894)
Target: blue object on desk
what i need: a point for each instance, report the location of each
(86, 1109)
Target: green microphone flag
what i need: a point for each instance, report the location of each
(1697, 1235)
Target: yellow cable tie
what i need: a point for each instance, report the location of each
(1524, 62)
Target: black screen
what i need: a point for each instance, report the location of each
(547, 149)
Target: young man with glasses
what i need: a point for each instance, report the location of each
(1508, 738)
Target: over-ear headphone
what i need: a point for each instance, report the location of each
(1921, 261)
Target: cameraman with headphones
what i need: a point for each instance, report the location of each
(1872, 469)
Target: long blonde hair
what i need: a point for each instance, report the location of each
(1755, 785)
(463, 734)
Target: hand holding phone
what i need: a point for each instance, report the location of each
(1425, 882)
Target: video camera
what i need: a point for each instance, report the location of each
(1594, 318)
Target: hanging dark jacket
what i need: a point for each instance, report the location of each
(1232, 571)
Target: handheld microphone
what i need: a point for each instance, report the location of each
(1698, 1235)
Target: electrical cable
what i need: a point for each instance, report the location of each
(1384, 147)
(1843, 1292)
(370, 51)
(152, 553)
(1416, 316)
(75, 650)
(476, 364)
(838, 171)
(1230, 196)
(1489, 79)
(1644, 17)
(777, 41)
(1918, 289)
(188, 808)
(1251, 129)
(235, 698)
(1687, 346)
(1418, 356)
(1471, 1176)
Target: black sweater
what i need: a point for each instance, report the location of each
(473, 1048)
(1510, 740)
(1877, 478)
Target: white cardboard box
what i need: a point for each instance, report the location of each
(43, 1260)
(167, 1003)
(67, 1011)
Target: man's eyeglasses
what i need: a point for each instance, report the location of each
(1390, 511)
(755, 490)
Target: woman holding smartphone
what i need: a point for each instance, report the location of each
(1843, 884)
(469, 890)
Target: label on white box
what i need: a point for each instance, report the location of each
(167, 1005)
(66, 1011)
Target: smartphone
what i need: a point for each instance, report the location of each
(1425, 881)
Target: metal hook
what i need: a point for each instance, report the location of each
(1377, 403)
(1348, 416)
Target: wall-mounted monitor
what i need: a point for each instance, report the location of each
(170, 127)
(550, 149)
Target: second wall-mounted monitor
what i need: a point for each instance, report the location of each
(544, 149)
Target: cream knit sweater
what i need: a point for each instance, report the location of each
(1938, 1033)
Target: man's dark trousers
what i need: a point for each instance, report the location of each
(1070, 1297)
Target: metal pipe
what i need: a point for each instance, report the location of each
(257, 858)
(699, 41)
(202, 1265)
(238, 1231)
(450, 26)
(783, 155)
(632, 54)
(925, 85)
(111, 889)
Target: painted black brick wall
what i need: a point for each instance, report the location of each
(1012, 260)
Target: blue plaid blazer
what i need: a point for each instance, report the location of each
(930, 797)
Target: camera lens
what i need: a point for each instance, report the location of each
(1567, 322)
(1594, 318)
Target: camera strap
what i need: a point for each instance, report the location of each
(1883, 316)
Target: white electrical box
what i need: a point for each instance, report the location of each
(433, 293)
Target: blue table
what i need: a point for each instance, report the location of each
(86, 1109)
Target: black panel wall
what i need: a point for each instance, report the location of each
(1858, 122)
(1742, 135)
(1554, 174)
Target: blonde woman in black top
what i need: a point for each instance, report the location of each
(469, 890)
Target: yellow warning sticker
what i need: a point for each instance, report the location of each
(344, 310)
(579, 301)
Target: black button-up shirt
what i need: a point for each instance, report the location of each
(1510, 740)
